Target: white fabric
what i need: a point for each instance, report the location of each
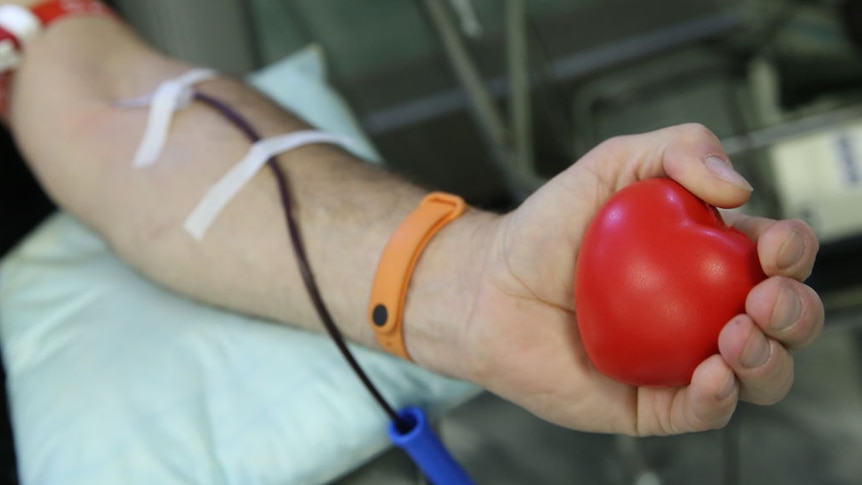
(21, 23)
(169, 96)
(223, 191)
(113, 380)
(299, 84)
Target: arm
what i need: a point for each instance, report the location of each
(65, 93)
(491, 298)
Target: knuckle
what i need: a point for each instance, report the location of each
(696, 131)
(613, 144)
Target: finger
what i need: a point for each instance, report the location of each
(785, 248)
(786, 310)
(706, 403)
(689, 154)
(762, 365)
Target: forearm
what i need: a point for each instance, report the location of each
(81, 147)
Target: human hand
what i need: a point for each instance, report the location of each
(522, 333)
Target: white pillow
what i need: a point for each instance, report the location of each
(298, 83)
(113, 380)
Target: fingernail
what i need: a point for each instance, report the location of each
(724, 171)
(756, 351)
(791, 251)
(728, 387)
(788, 309)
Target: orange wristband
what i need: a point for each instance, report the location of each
(389, 291)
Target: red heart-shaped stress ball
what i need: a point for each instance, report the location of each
(658, 275)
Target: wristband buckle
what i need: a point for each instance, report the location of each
(405, 246)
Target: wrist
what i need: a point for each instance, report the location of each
(442, 292)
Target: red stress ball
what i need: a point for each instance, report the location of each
(658, 276)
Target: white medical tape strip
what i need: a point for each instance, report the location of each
(184, 100)
(169, 97)
(223, 191)
(21, 23)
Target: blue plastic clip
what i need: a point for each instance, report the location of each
(426, 450)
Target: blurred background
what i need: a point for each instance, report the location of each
(487, 98)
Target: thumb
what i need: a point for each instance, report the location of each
(540, 236)
(689, 154)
